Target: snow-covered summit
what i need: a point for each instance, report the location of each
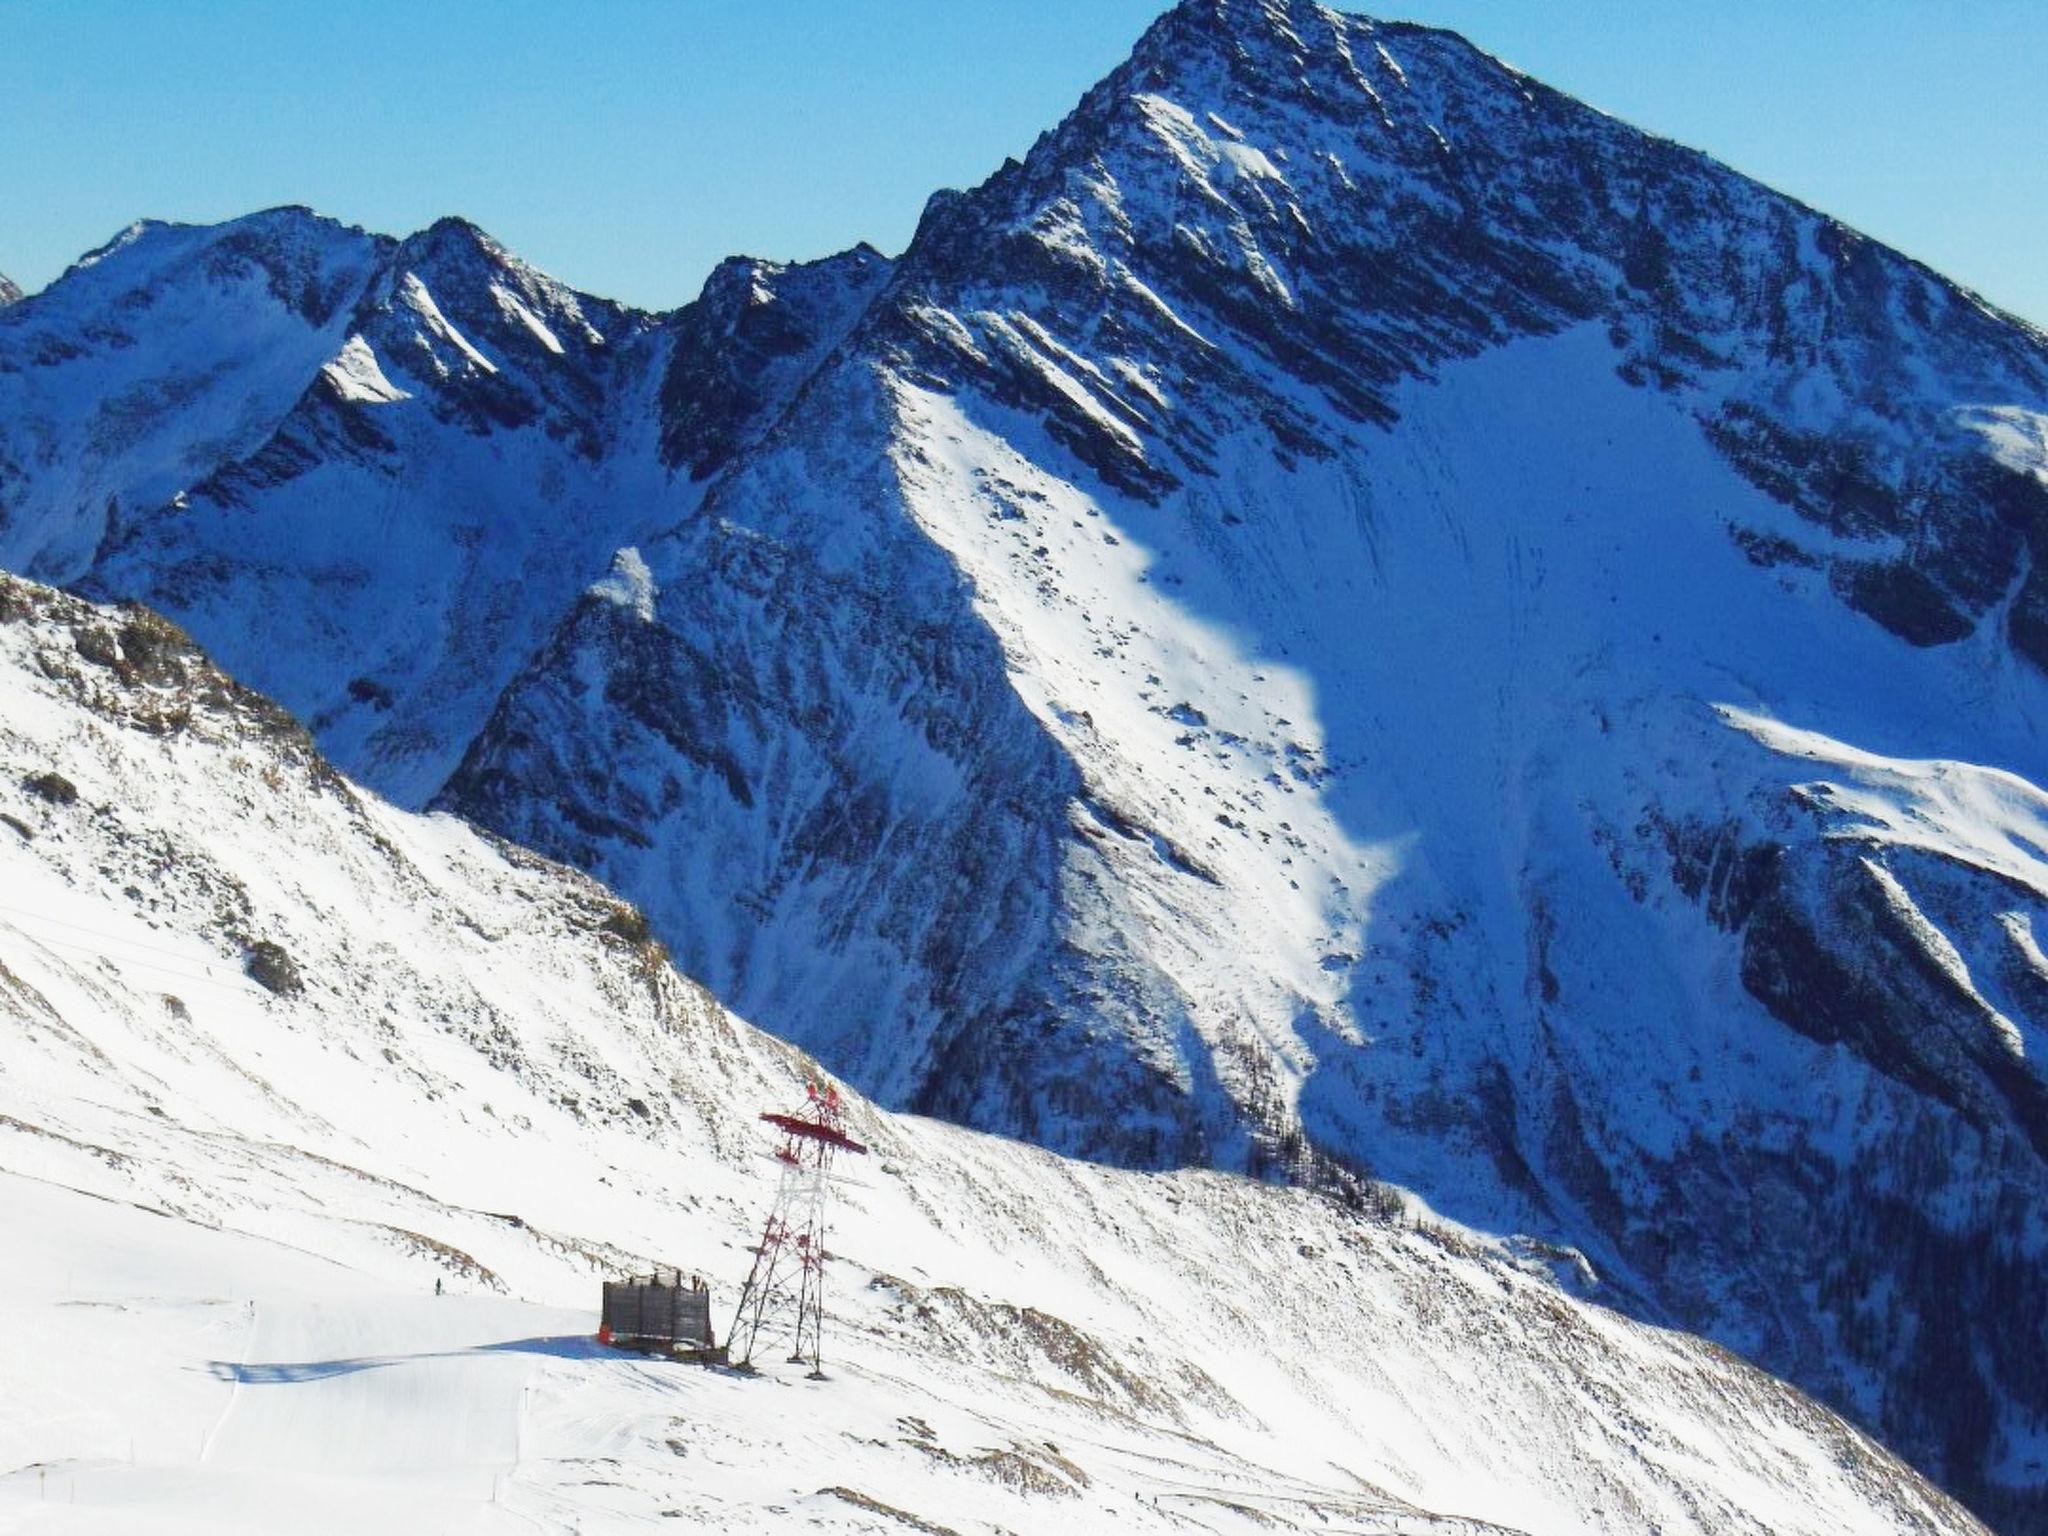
(442, 478)
(153, 359)
(1355, 204)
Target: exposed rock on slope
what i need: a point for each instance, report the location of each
(751, 339)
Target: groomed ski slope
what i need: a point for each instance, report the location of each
(227, 1210)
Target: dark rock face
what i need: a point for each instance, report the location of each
(1921, 966)
(748, 342)
(1842, 955)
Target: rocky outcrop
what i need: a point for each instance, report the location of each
(758, 331)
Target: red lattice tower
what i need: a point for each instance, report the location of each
(786, 1286)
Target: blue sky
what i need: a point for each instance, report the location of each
(627, 146)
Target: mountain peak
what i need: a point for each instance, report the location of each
(749, 339)
(453, 245)
(1298, 29)
(1244, 21)
(300, 255)
(453, 234)
(757, 278)
(10, 290)
(130, 235)
(1271, 47)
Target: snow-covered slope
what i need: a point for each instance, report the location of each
(155, 358)
(444, 483)
(9, 289)
(468, 1066)
(1346, 612)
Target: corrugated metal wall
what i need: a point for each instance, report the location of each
(658, 1311)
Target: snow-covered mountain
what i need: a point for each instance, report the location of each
(1351, 608)
(9, 289)
(153, 360)
(398, 537)
(466, 1065)
(376, 473)
(1346, 613)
